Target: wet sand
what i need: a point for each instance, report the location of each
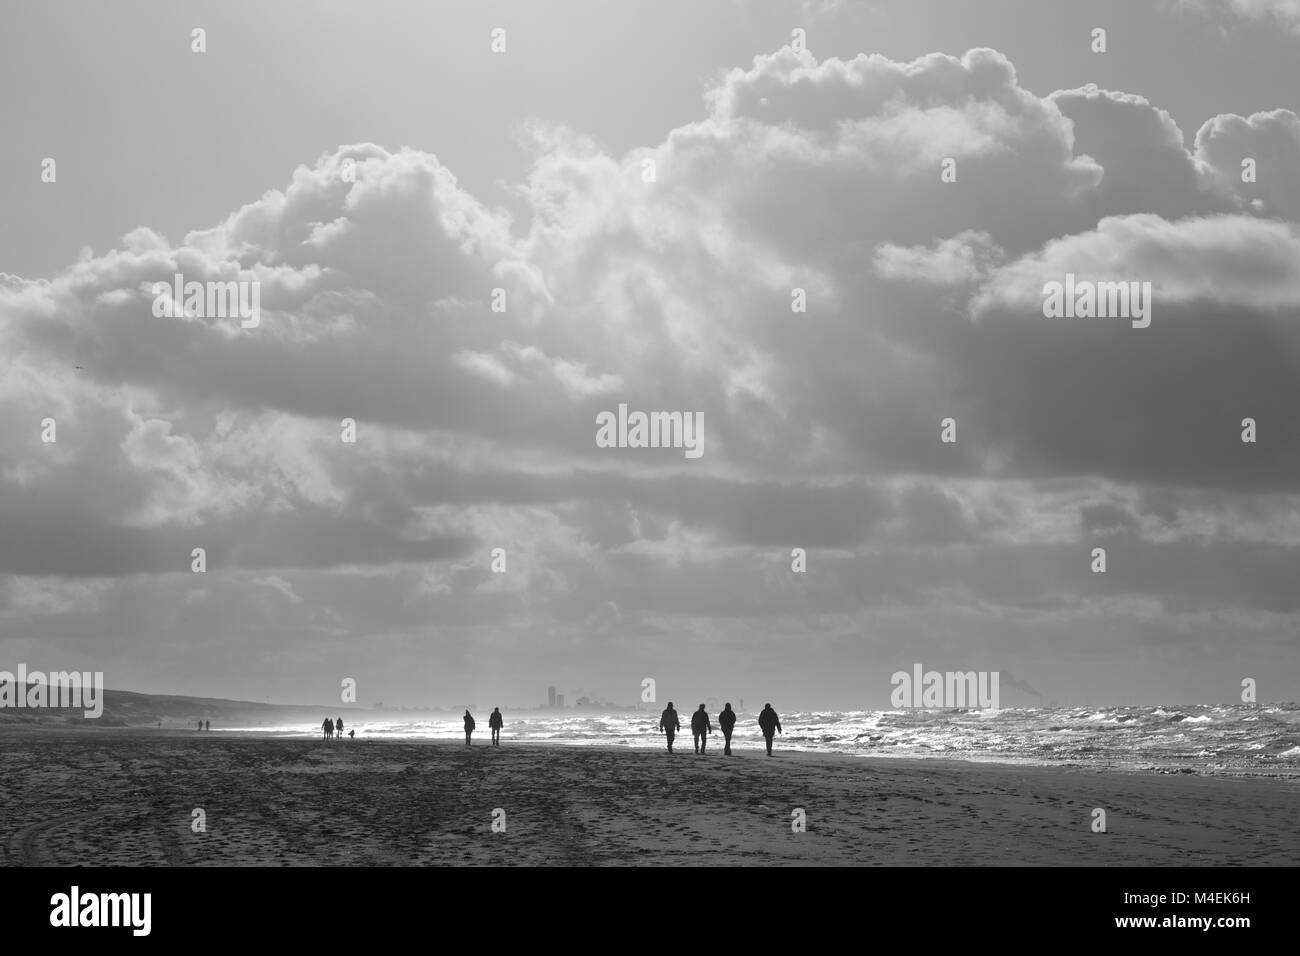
(127, 797)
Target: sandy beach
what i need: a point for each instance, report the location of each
(128, 797)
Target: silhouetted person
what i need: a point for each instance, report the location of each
(727, 722)
(328, 727)
(769, 722)
(700, 728)
(338, 728)
(669, 724)
(351, 734)
(469, 727)
(207, 725)
(200, 726)
(494, 724)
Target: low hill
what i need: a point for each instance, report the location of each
(124, 708)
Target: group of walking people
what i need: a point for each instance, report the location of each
(701, 726)
(334, 728)
(495, 722)
(669, 724)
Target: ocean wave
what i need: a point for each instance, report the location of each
(1229, 739)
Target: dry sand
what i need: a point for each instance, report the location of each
(126, 797)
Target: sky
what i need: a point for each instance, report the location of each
(378, 170)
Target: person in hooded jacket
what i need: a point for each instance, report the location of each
(469, 726)
(768, 722)
(727, 723)
(700, 728)
(669, 724)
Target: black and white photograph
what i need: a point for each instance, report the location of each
(630, 434)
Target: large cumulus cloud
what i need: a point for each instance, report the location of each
(378, 275)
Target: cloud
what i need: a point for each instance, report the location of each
(1106, 518)
(962, 259)
(1272, 140)
(1284, 13)
(475, 426)
(1223, 260)
(1146, 166)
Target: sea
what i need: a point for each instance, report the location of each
(1234, 740)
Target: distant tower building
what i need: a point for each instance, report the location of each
(550, 697)
(559, 699)
(742, 705)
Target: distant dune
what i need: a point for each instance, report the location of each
(124, 708)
